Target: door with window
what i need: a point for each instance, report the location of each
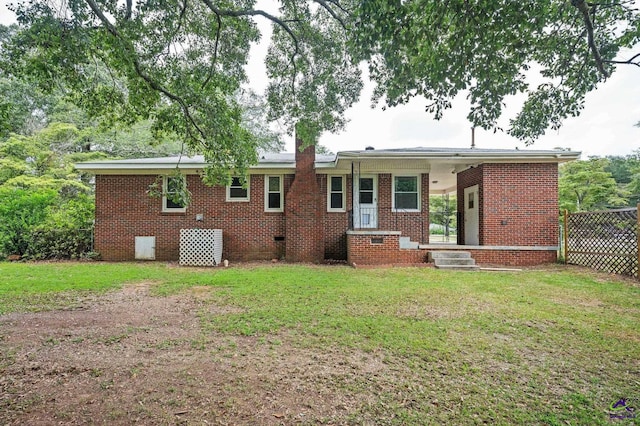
(471, 216)
(366, 203)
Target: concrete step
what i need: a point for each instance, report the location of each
(453, 259)
(442, 261)
(459, 267)
(448, 254)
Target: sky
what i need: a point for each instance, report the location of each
(606, 125)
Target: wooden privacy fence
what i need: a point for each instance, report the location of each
(603, 240)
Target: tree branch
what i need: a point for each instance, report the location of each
(630, 61)
(331, 12)
(252, 12)
(138, 67)
(215, 52)
(127, 14)
(588, 23)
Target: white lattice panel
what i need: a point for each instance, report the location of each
(200, 247)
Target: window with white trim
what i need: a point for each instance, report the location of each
(406, 193)
(236, 191)
(171, 187)
(335, 193)
(273, 194)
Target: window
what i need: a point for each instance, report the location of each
(273, 194)
(335, 190)
(366, 190)
(172, 186)
(236, 192)
(406, 191)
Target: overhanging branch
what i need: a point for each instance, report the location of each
(634, 60)
(138, 67)
(588, 23)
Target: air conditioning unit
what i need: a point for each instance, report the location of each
(200, 247)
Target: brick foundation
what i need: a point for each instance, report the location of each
(513, 257)
(380, 248)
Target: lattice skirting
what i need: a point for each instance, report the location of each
(200, 247)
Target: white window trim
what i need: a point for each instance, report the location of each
(236, 199)
(393, 193)
(266, 194)
(165, 188)
(344, 184)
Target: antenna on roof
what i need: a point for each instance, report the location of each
(473, 137)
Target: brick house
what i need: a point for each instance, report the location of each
(366, 207)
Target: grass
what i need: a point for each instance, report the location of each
(537, 347)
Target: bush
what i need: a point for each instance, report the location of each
(66, 232)
(20, 212)
(39, 224)
(59, 243)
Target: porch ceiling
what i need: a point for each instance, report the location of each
(442, 164)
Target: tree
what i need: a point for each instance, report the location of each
(587, 186)
(633, 183)
(626, 171)
(181, 65)
(442, 211)
(490, 49)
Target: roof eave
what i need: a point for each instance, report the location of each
(559, 156)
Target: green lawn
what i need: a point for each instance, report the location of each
(553, 346)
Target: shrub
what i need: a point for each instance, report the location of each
(66, 232)
(20, 212)
(40, 224)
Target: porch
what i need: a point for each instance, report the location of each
(380, 247)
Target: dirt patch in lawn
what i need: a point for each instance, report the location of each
(129, 357)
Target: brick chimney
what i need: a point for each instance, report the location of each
(303, 210)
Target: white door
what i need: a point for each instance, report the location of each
(145, 248)
(471, 216)
(366, 205)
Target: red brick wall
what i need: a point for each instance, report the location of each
(335, 223)
(363, 249)
(518, 203)
(303, 211)
(518, 206)
(513, 257)
(412, 224)
(124, 211)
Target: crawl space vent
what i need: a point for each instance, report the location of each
(200, 247)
